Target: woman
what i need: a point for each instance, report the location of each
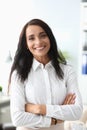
(44, 88)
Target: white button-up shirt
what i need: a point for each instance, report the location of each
(44, 87)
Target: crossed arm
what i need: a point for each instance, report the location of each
(41, 108)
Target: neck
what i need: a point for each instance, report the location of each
(43, 60)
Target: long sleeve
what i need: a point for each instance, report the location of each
(17, 107)
(68, 112)
(44, 87)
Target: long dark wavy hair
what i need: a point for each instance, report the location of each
(23, 57)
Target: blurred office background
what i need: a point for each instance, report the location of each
(62, 16)
(65, 19)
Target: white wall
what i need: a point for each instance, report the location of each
(62, 16)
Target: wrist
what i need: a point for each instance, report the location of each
(54, 121)
(43, 109)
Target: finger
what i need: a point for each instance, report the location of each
(71, 99)
(73, 102)
(66, 99)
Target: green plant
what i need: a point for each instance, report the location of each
(0, 88)
(66, 55)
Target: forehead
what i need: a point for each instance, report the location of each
(34, 29)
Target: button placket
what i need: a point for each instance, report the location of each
(48, 89)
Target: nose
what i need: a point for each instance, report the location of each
(37, 41)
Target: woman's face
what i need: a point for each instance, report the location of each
(37, 41)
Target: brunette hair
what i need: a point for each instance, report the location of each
(23, 57)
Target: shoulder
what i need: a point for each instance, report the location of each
(69, 72)
(16, 82)
(14, 75)
(15, 78)
(67, 68)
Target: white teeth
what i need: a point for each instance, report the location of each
(40, 48)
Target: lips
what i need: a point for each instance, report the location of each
(39, 48)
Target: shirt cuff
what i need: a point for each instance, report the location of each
(47, 121)
(54, 111)
(49, 110)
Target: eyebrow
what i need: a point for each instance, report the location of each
(42, 33)
(31, 35)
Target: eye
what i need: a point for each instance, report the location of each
(43, 35)
(31, 38)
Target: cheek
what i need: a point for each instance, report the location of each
(29, 46)
(49, 44)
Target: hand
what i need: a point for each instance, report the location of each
(35, 108)
(70, 99)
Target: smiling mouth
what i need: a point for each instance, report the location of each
(39, 48)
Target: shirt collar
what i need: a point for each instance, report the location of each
(37, 64)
